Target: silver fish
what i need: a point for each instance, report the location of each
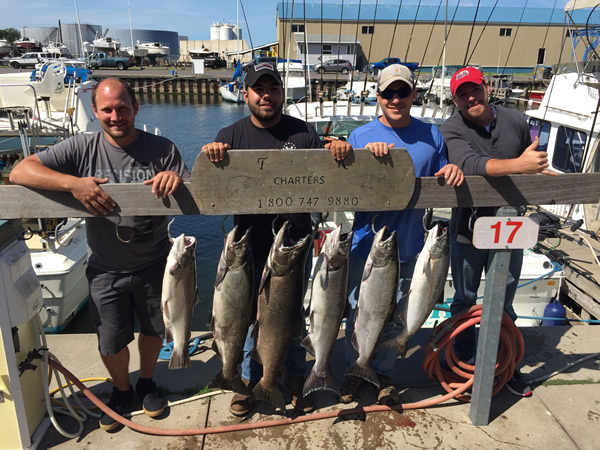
(329, 297)
(179, 295)
(233, 306)
(426, 286)
(279, 318)
(376, 301)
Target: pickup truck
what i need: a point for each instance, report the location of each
(99, 59)
(380, 65)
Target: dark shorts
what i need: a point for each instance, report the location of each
(115, 297)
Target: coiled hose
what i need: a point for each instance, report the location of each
(461, 376)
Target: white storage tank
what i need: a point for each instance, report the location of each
(237, 33)
(226, 33)
(214, 31)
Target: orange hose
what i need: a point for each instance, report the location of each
(510, 353)
(456, 391)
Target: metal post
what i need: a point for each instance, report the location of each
(489, 331)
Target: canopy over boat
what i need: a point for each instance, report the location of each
(581, 4)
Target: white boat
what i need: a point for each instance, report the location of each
(295, 85)
(155, 48)
(5, 48)
(59, 260)
(106, 44)
(233, 91)
(40, 107)
(135, 51)
(568, 124)
(49, 100)
(58, 49)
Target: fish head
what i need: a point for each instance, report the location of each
(183, 250)
(285, 253)
(437, 241)
(337, 247)
(384, 248)
(237, 249)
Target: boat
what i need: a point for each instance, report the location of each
(233, 91)
(136, 51)
(294, 82)
(27, 44)
(5, 48)
(58, 49)
(59, 259)
(567, 124)
(40, 107)
(155, 48)
(106, 44)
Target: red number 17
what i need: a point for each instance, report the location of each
(497, 226)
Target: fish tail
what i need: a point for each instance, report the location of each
(234, 384)
(180, 359)
(395, 344)
(274, 397)
(364, 372)
(315, 383)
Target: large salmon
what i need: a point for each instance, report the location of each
(279, 317)
(179, 295)
(329, 297)
(376, 301)
(233, 306)
(426, 286)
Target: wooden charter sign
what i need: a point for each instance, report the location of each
(279, 181)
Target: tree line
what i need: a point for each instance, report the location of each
(10, 34)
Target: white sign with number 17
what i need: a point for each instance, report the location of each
(505, 232)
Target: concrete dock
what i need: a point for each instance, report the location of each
(563, 413)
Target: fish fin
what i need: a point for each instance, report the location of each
(315, 382)
(364, 372)
(395, 344)
(215, 348)
(173, 268)
(265, 276)
(367, 269)
(307, 344)
(355, 342)
(197, 299)
(180, 360)
(222, 270)
(299, 330)
(346, 309)
(274, 397)
(324, 278)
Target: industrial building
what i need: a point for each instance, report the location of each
(514, 39)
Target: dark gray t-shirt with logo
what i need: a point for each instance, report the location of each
(115, 243)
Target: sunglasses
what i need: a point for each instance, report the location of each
(388, 94)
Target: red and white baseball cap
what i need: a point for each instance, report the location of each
(465, 75)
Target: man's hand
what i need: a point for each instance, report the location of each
(452, 174)
(533, 161)
(339, 149)
(215, 151)
(379, 148)
(164, 183)
(91, 195)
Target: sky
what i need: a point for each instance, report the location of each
(191, 18)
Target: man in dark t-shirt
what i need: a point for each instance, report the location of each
(268, 128)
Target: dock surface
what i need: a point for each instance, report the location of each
(563, 413)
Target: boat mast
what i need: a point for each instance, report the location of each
(444, 56)
(79, 26)
(130, 29)
(237, 32)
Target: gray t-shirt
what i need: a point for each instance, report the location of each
(91, 155)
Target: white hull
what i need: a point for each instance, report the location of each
(231, 93)
(155, 48)
(61, 272)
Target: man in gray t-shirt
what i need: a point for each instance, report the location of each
(127, 255)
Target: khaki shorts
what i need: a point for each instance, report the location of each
(117, 298)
